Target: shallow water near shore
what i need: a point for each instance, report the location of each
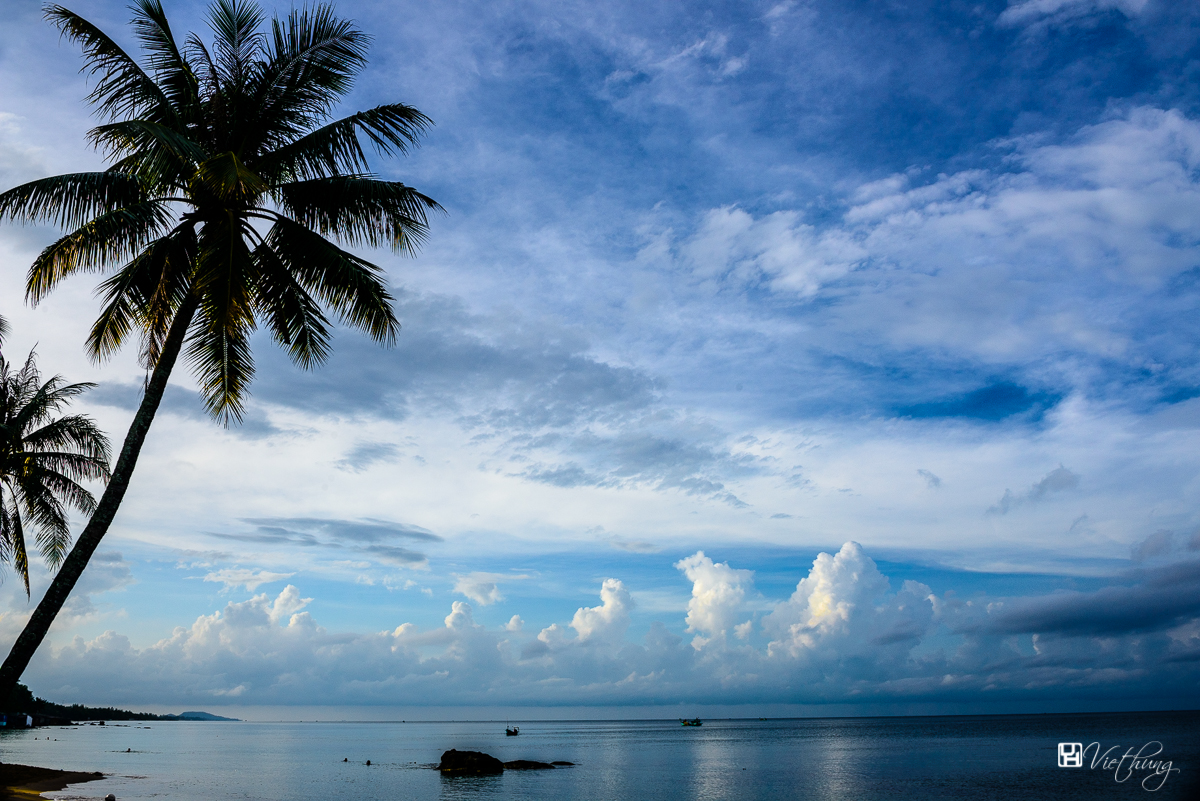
(897, 759)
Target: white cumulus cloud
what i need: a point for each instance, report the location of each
(843, 607)
(718, 596)
(610, 619)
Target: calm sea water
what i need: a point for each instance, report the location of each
(892, 759)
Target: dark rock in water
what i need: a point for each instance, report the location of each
(562, 762)
(469, 763)
(527, 764)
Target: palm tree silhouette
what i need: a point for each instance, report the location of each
(227, 183)
(43, 457)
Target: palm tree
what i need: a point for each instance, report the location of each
(227, 182)
(43, 458)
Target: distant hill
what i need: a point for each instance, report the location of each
(194, 716)
(22, 700)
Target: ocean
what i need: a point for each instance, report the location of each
(859, 759)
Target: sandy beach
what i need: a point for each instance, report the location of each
(25, 782)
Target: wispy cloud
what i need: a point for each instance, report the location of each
(234, 577)
(373, 539)
(1057, 480)
(365, 454)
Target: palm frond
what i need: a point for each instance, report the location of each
(336, 149)
(354, 288)
(69, 201)
(310, 65)
(360, 210)
(12, 534)
(238, 42)
(314, 54)
(294, 316)
(155, 153)
(73, 444)
(44, 401)
(43, 495)
(108, 238)
(208, 76)
(219, 340)
(227, 178)
(171, 70)
(123, 88)
(219, 353)
(146, 293)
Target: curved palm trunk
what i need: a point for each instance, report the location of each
(72, 567)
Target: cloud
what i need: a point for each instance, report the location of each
(934, 321)
(234, 577)
(486, 370)
(608, 621)
(287, 605)
(843, 608)
(778, 250)
(1157, 544)
(479, 587)
(532, 395)
(1058, 12)
(369, 538)
(365, 454)
(843, 636)
(634, 546)
(718, 596)
(181, 402)
(1057, 480)
(367, 530)
(1161, 598)
(664, 452)
(932, 481)
(20, 161)
(107, 571)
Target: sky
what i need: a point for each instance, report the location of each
(820, 357)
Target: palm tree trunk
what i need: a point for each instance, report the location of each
(72, 567)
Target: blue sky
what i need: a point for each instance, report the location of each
(803, 355)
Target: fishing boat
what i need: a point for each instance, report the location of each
(692, 722)
(512, 731)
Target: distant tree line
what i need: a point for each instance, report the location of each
(23, 701)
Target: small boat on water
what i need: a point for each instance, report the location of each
(512, 731)
(692, 722)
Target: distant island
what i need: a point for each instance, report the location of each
(194, 716)
(23, 701)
